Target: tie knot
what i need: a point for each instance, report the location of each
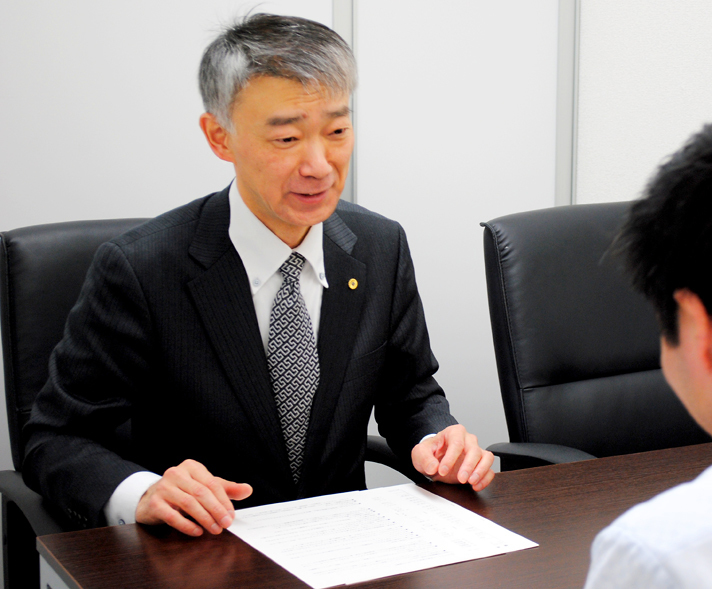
(292, 267)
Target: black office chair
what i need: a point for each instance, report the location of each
(577, 349)
(42, 269)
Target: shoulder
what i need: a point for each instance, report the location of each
(367, 229)
(181, 220)
(667, 539)
(368, 236)
(676, 518)
(358, 217)
(200, 224)
(170, 244)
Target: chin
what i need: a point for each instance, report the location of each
(317, 215)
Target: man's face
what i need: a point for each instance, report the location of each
(291, 149)
(687, 365)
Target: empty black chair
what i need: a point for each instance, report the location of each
(577, 349)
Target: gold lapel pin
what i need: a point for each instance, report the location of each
(353, 284)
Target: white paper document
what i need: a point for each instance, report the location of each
(362, 535)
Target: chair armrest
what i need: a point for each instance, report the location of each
(378, 450)
(514, 456)
(36, 510)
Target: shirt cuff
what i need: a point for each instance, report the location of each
(428, 436)
(121, 507)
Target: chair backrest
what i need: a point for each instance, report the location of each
(42, 269)
(577, 349)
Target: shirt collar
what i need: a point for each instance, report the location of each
(262, 252)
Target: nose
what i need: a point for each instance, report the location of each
(315, 160)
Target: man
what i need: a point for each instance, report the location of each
(248, 335)
(667, 242)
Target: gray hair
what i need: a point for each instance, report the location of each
(278, 46)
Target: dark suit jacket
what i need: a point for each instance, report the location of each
(165, 334)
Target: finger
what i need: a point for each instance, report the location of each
(189, 501)
(171, 516)
(167, 503)
(223, 512)
(467, 471)
(153, 509)
(484, 481)
(424, 458)
(236, 491)
(455, 443)
(482, 468)
(204, 497)
(440, 446)
(231, 491)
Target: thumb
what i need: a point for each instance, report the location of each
(423, 457)
(237, 491)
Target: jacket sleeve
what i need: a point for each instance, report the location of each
(74, 456)
(415, 405)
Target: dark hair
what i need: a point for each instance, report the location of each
(271, 45)
(666, 240)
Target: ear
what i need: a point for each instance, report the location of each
(693, 317)
(217, 136)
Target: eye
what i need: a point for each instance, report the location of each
(286, 140)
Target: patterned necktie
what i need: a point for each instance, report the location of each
(293, 361)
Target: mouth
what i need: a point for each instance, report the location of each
(311, 194)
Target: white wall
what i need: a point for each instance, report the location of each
(456, 118)
(644, 87)
(100, 105)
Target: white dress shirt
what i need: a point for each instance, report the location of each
(262, 253)
(663, 543)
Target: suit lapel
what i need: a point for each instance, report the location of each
(223, 299)
(340, 313)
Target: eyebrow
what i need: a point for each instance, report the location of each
(281, 121)
(344, 111)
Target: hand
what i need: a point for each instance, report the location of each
(190, 490)
(454, 456)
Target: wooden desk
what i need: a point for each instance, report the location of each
(560, 507)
